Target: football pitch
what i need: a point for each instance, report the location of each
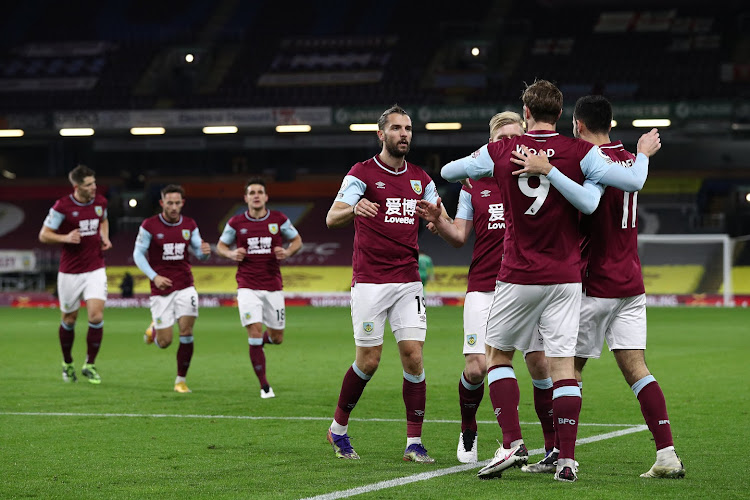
(133, 437)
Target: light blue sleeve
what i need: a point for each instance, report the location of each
(142, 242)
(465, 209)
(600, 168)
(430, 193)
(288, 231)
(54, 219)
(351, 191)
(195, 244)
(477, 165)
(585, 198)
(228, 235)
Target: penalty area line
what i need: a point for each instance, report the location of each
(424, 476)
(260, 417)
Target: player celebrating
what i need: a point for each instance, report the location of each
(380, 195)
(614, 301)
(539, 283)
(161, 253)
(480, 208)
(79, 222)
(259, 234)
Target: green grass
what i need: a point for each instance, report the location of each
(699, 357)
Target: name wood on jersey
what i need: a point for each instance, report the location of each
(549, 151)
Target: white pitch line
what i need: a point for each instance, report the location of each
(250, 417)
(369, 488)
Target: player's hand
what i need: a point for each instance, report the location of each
(649, 143)
(73, 237)
(106, 243)
(205, 248)
(281, 253)
(238, 255)
(430, 212)
(533, 164)
(366, 208)
(162, 282)
(466, 182)
(431, 227)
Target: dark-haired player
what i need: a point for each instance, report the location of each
(259, 234)
(380, 196)
(161, 252)
(613, 306)
(79, 222)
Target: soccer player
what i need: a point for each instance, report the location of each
(79, 222)
(259, 234)
(161, 253)
(380, 195)
(614, 302)
(539, 283)
(480, 208)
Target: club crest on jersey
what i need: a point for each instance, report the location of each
(159, 321)
(99, 211)
(186, 234)
(273, 228)
(368, 326)
(248, 315)
(471, 339)
(416, 186)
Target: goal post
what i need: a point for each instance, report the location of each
(725, 240)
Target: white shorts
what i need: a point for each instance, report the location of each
(622, 322)
(71, 288)
(403, 304)
(261, 306)
(519, 311)
(476, 308)
(166, 309)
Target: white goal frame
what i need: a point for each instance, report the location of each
(727, 244)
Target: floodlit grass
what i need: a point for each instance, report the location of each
(133, 437)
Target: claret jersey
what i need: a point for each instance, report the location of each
(610, 262)
(68, 214)
(260, 269)
(385, 246)
(483, 205)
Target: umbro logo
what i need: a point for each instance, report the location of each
(497, 411)
(243, 230)
(419, 413)
(380, 185)
(486, 193)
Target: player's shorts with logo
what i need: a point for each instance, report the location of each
(166, 309)
(402, 304)
(71, 288)
(518, 312)
(622, 322)
(261, 306)
(476, 309)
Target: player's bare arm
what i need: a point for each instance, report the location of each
(237, 255)
(295, 245)
(341, 214)
(48, 236)
(104, 233)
